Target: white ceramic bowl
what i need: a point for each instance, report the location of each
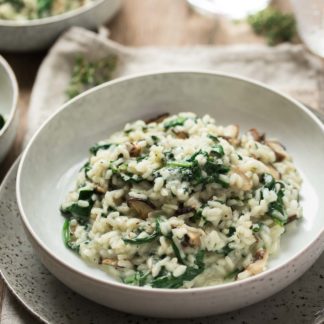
(37, 34)
(54, 155)
(8, 107)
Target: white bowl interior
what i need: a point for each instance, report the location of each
(7, 91)
(48, 169)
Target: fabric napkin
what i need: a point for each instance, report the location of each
(289, 68)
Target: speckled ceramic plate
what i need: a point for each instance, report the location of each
(52, 302)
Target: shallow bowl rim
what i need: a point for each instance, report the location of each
(14, 86)
(162, 291)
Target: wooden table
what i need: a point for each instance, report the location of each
(139, 23)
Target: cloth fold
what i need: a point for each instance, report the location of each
(289, 68)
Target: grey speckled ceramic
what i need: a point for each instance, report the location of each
(49, 300)
(39, 34)
(59, 148)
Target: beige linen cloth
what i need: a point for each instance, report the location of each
(289, 68)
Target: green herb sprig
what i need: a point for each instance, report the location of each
(86, 74)
(277, 27)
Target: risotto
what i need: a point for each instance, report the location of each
(34, 9)
(179, 201)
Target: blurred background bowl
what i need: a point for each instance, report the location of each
(50, 163)
(38, 34)
(8, 106)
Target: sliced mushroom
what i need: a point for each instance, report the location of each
(260, 263)
(135, 150)
(259, 254)
(291, 218)
(194, 238)
(101, 189)
(181, 135)
(258, 137)
(158, 119)
(111, 262)
(184, 210)
(141, 206)
(247, 183)
(275, 173)
(278, 149)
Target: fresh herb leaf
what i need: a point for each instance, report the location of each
(86, 75)
(179, 121)
(276, 209)
(167, 280)
(213, 137)
(276, 26)
(66, 233)
(44, 7)
(218, 150)
(231, 231)
(137, 279)
(94, 149)
(225, 250)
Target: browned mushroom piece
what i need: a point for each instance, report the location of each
(111, 262)
(274, 172)
(141, 206)
(184, 210)
(247, 183)
(257, 136)
(101, 189)
(181, 135)
(278, 149)
(291, 218)
(194, 238)
(135, 150)
(259, 254)
(158, 119)
(260, 263)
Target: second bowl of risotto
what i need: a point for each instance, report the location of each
(191, 196)
(28, 25)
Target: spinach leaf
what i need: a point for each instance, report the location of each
(167, 280)
(94, 149)
(276, 209)
(213, 137)
(137, 279)
(43, 7)
(225, 250)
(231, 231)
(179, 121)
(80, 213)
(66, 233)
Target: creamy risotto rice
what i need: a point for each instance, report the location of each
(180, 201)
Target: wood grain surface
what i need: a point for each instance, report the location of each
(139, 23)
